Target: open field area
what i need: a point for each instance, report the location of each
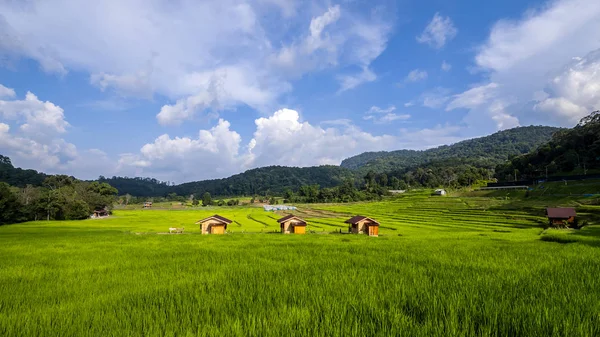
(453, 266)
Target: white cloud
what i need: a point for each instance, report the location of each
(474, 97)
(39, 119)
(438, 32)
(337, 38)
(213, 153)
(35, 142)
(446, 66)
(348, 82)
(429, 137)
(221, 89)
(6, 92)
(539, 56)
(416, 75)
(575, 92)
(436, 98)
(380, 116)
(283, 140)
(486, 108)
(180, 49)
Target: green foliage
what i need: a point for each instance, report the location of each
(272, 179)
(17, 176)
(10, 207)
(485, 151)
(61, 198)
(575, 150)
(206, 199)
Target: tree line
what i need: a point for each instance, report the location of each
(59, 198)
(570, 151)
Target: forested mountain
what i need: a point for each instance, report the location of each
(265, 180)
(570, 151)
(18, 177)
(139, 187)
(486, 151)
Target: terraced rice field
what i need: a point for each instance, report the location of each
(440, 267)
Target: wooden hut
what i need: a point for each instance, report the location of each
(557, 216)
(363, 225)
(215, 224)
(100, 213)
(148, 204)
(292, 224)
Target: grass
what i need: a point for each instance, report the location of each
(441, 266)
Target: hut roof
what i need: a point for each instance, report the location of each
(288, 217)
(358, 218)
(561, 213)
(300, 222)
(216, 217)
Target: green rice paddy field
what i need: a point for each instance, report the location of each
(468, 266)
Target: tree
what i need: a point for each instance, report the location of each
(10, 207)
(288, 194)
(206, 199)
(220, 202)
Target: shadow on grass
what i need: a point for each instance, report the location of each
(589, 235)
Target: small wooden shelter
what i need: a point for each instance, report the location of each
(215, 224)
(557, 216)
(363, 225)
(292, 224)
(100, 213)
(148, 204)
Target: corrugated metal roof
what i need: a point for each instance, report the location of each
(561, 213)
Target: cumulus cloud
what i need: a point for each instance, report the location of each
(540, 65)
(35, 140)
(282, 139)
(213, 153)
(203, 56)
(381, 116)
(38, 119)
(438, 32)
(416, 75)
(575, 91)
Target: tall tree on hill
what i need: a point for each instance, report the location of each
(206, 199)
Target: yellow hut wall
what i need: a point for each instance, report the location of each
(299, 229)
(218, 229)
(205, 226)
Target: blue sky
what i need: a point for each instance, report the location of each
(187, 90)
